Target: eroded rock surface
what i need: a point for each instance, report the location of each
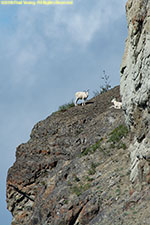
(135, 79)
(75, 170)
(58, 173)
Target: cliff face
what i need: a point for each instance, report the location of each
(75, 168)
(69, 170)
(135, 79)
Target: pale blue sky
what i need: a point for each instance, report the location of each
(47, 54)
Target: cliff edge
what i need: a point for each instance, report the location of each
(135, 80)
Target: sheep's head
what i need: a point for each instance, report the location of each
(113, 100)
(87, 92)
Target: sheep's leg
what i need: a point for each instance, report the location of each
(112, 106)
(76, 101)
(83, 103)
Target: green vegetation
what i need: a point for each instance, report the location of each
(125, 214)
(116, 135)
(92, 170)
(118, 191)
(66, 201)
(89, 178)
(122, 145)
(114, 139)
(44, 183)
(92, 149)
(80, 189)
(64, 107)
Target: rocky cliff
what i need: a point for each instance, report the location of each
(69, 172)
(83, 166)
(74, 170)
(135, 79)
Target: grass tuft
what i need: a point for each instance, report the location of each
(80, 189)
(64, 107)
(92, 148)
(118, 133)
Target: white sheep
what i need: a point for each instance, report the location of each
(83, 95)
(117, 105)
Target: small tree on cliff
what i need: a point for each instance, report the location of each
(106, 85)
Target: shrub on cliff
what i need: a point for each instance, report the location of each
(105, 86)
(64, 107)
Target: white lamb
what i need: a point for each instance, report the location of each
(117, 105)
(83, 95)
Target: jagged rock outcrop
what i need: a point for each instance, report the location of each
(135, 79)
